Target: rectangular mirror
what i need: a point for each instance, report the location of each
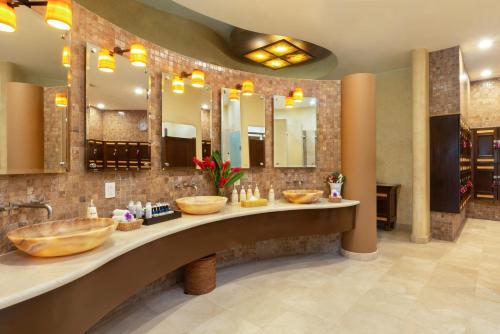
(243, 128)
(34, 97)
(117, 118)
(294, 132)
(186, 123)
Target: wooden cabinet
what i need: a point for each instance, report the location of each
(256, 148)
(486, 163)
(178, 152)
(387, 205)
(450, 163)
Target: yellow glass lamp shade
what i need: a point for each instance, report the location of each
(66, 57)
(177, 85)
(138, 55)
(234, 95)
(106, 61)
(276, 63)
(61, 100)
(289, 102)
(7, 17)
(298, 95)
(259, 56)
(59, 14)
(198, 78)
(297, 57)
(281, 48)
(247, 88)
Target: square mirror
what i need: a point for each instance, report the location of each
(186, 122)
(294, 132)
(34, 97)
(117, 118)
(243, 128)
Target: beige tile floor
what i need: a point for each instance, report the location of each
(439, 287)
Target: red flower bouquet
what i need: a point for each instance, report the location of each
(220, 172)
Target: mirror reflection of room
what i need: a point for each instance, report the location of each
(117, 118)
(34, 66)
(186, 120)
(294, 132)
(243, 131)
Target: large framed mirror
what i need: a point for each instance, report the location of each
(186, 121)
(294, 132)
(243, 128)
(118, 135)
(34, 97)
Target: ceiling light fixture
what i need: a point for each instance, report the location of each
(66, 53)
(61, 100)
(279, 54)
(106, 61)
(139, 91)
(485, 43)
(486, 73)
(178, 84)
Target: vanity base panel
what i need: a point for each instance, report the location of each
(75, 307)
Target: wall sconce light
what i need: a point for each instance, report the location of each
(66, 57)
(197, 78)
(61, 100)
(298, 94)
(234, 95)
(138, 55)
(106, 61)
(289, 102)
(178, 84)
(246, 88)
(58, 14)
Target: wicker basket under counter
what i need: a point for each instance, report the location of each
(199, 276)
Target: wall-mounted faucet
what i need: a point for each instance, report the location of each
(33, 205)
(192, 185)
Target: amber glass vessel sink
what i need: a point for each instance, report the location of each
(62, 237)
(201, 205)
(302, 196)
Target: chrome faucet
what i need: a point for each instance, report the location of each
(192, 185)
(34, 205)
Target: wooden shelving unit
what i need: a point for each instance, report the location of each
(117, 155)
(450, 163)
(486, 157)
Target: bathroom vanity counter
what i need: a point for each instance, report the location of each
(152, 251)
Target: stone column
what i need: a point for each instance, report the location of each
(358, 163)
(421, 184)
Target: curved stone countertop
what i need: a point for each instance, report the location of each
(23, 277)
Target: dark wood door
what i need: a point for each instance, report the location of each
(256, 147)
(485, 167)
(178, 152)
(110, 155)
(95, 155)
(122, 155)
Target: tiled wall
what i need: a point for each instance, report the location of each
(124, 126)
(447, 95)
(69, 193)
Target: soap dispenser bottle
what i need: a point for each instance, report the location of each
(234, 196)
(257, 192)
(243, 194)
(92, 211)
(271, 195)
(249, 192)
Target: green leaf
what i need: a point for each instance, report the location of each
(235, 177)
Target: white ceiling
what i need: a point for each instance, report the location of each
(116, 90)
(371, 35)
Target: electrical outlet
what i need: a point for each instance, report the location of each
(109, 190)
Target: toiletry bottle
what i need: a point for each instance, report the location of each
(138, 210)
(92, 211)
(243, 194)
(257, 192)
(249, 192)
(131, 208)
(234, 196)
(271, 195)
(148, 212)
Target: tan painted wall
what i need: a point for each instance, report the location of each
(394, 136)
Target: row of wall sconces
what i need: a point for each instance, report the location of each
(138, 57)
(58, 14)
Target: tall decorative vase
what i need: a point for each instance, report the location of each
(337, 187)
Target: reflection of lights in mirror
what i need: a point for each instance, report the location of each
(139, 91)
(121, 113)
(205, 107)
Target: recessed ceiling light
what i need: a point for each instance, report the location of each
(485, 43)
(486, 73)
(101, 106)
(139, 91)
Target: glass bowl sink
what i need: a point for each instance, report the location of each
(302, 196)
(201, 205)
(62, 237)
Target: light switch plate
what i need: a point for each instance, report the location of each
(109, 190)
